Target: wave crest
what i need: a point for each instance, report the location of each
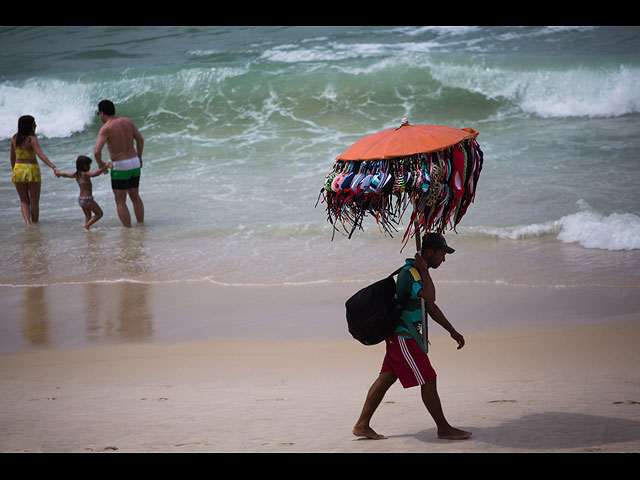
(617, 231)
(60, 108)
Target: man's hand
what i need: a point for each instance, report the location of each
(458, 338)
(428, 291)
(420, 262)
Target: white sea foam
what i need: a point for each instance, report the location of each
(618, 231)
(342, 51)
(59, 107)
(550, 93)
(556, 91)
(583, 93)
(590, 229)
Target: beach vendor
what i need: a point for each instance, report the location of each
(405, 359)
(119, 134)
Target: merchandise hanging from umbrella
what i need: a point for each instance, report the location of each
(433, 168)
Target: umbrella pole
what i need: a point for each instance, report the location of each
(425, 337)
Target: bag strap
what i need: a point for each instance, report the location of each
(397, 271)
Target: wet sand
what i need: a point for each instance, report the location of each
(192, 368)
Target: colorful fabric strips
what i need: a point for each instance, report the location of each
(439, 186)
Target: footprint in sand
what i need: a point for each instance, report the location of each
(191, 443)
(628, 402)
(502, 401)
(159, 399)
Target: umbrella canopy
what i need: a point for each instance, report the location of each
(406, 140)
(433, 168)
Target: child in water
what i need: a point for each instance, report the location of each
(85, 200)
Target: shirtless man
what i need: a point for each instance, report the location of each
(118, 133)
(404, 358)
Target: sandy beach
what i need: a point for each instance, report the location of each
(100, 376)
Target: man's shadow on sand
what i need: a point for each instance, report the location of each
(551, 430)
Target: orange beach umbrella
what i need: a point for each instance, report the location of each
(435, 168)
(406, 140)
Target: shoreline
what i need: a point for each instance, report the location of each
(85, 314)
(196, 368)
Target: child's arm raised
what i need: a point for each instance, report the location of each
(99, 171)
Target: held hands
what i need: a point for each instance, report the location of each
(105, 167)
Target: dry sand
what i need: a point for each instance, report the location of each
(573, 388)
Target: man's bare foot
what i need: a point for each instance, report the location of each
(367, 432)
(451, 433)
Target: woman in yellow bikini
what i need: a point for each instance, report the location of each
(26, 171)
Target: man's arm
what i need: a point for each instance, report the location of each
(428, 292)
(441, 320)
(97, 151)
(139, 142)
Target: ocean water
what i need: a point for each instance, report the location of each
(241, 125)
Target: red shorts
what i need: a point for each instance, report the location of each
(406, 359)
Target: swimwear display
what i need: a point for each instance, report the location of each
(25, 173)
(125, 174)
(441, 185)
(84, 201)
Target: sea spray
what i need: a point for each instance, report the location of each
(61, 108)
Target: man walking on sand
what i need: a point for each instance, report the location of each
(119, 133)
(404, 357)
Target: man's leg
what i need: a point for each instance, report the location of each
(121, 207)
(138, 206)
(431, 400)
(374, 397)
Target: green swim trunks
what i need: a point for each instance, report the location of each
(125, 174)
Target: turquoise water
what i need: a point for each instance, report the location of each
(242, 124)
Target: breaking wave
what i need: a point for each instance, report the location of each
(590, 229)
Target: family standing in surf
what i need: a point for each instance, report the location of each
(119, 135)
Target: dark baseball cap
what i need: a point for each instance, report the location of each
(435, 241)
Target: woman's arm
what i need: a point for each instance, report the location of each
(13, 152)
(36, 148)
